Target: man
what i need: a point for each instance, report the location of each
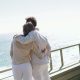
(39, 66)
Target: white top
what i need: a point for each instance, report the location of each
(42, 43)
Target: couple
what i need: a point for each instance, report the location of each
(30, 53)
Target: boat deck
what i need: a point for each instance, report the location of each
(71, 73)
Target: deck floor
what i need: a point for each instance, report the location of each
(4, 76)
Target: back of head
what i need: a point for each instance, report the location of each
(28, 27)
(32, 20)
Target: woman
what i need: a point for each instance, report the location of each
(20, 55)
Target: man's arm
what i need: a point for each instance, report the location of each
(48, 47)
(24, 39)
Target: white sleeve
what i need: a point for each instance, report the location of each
(48, 49)
(11, 50)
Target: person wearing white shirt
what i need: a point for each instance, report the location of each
(20, 55)
(39, 66)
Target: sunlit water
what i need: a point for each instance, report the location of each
(71, 55)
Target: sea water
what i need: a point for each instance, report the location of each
(5, 42)
(70, 55)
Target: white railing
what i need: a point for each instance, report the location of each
(51, 67)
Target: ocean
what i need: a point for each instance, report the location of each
(71, 55)
(5, 42)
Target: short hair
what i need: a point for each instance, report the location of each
(32, 20)
(28, 27)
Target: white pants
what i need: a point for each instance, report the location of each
(22, 71)
(40, 72)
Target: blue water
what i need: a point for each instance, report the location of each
(70, 55)
(5, 41)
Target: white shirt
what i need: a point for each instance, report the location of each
(42, 43)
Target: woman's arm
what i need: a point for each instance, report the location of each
(37, 51)
(11, 50)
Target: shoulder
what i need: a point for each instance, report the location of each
(17, 37)
(32, 32)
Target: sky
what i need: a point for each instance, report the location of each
(59, 18)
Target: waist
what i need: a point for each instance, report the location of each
(36, 60)
(20, 60)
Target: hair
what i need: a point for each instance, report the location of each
(28, 27)
(32, 20)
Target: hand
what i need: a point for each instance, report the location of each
(15, 36)
(43, 51)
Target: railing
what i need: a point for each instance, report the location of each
(62, 60)
(51, 67)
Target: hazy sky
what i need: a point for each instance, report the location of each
(53, 16)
